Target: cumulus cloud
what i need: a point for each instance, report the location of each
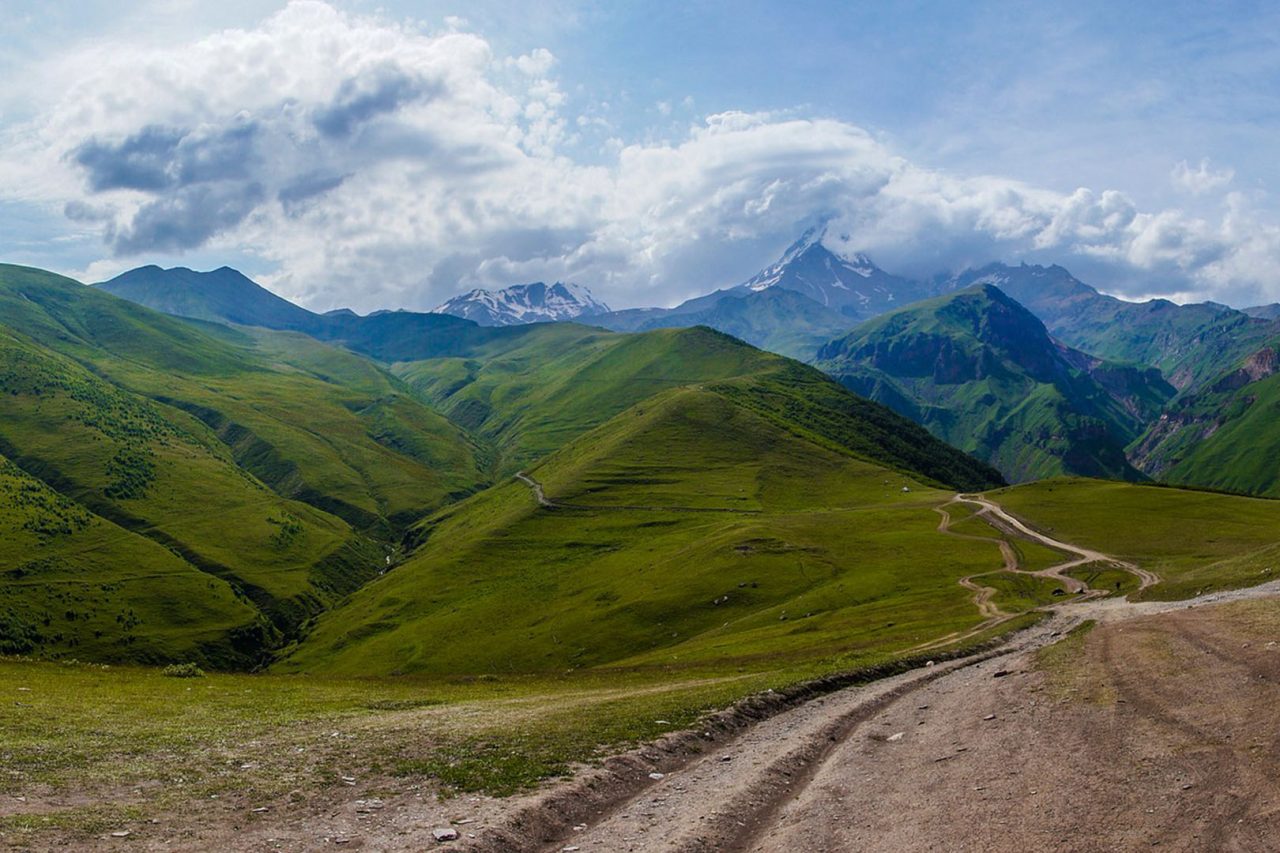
(378, 164)
(1202, 179)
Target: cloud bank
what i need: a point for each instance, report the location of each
(378, 164)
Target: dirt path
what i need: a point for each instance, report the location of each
(1002, 520)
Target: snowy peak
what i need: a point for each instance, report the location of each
(524, 303)
(850, 283)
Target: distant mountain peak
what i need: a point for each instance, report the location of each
(821, 266)
(524, 303)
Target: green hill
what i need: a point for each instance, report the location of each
(76, 585)
(314, 422)
(697, 527)
(162, 475)
(533, 392)
(223, 295)
(1224, 436)
(1190, 344)
(981, 372)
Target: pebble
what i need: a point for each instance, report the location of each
(655, 776)
(989, 717)
(444, 833)
(895, 737)
(124, 833)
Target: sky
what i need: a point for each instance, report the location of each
(392, 154)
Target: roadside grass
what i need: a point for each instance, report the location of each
(92, 748)
(1112, 581)
(1017, 592)
(1069, 674)
(1196, 541)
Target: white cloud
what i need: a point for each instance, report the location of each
(1202, 179)
(377, 164)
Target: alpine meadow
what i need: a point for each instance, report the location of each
(639, 427)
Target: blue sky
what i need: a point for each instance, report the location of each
(648, 150)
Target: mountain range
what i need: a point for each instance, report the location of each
(1119, 367)
(524, 303)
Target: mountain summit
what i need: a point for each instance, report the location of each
(524, 303)
(848, 283)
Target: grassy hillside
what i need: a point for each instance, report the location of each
(1196, 541)
(75, 585)
(531, 394)
(981, 372)
(697, 531)
(156, 473)
(1226, 436)
(314, 422)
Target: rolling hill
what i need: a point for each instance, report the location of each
(314, 422)
(531, 393)
(696, 528)
(982, 372)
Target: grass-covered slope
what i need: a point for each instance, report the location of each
(695, 528)
(73, 584)
(312, 421)
(157, 473)
(1196, 541)
(981, 372)
(532, 394)
(1225, 436)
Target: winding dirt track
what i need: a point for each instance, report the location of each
(793, 780)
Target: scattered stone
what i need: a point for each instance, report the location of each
(1000, 673)
(260, 810)
(655, 776)
(662, 722)
(989, 717)
(124, 833)
(726, 758)
(895, 737)
(928, 663)
(922, 707)
(445, 833)
(1187, 786)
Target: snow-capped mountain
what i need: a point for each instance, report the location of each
(848, 283)
(524, 303)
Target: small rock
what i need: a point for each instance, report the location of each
(662, 722)
(124, 833)
(655, 776)
(726, 758)
(895, 737)
(928, 663)
(989, 717)
(1000, 673)
(260, 810)
(444, 833)
(1186, 787)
